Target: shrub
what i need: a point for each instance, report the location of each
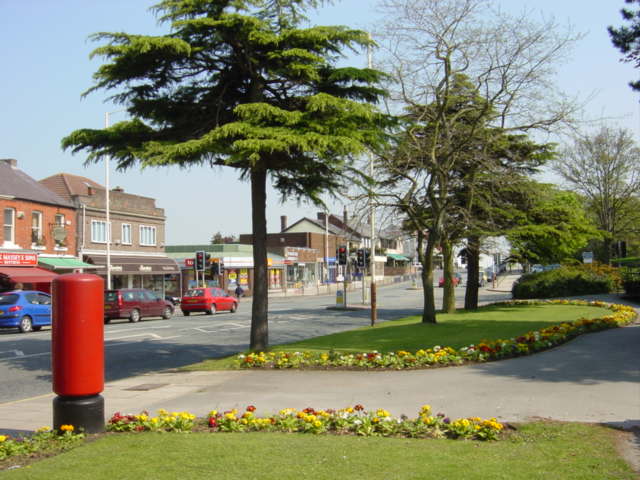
(631, 282)
(568, 280)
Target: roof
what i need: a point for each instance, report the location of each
(15, 183)
(397, 256)
(67, 185)
(332, 228)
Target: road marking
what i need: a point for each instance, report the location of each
(16, 353)
(28, 355)
(142, 327)
(148, 334)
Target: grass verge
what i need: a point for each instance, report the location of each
(453, 330)
(539, 450)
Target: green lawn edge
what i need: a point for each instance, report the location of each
(454, 330)
(533, 451)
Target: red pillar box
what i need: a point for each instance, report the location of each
(77, 352)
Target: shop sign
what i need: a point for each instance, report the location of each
(18, 259)
(116, 268)
(144, 268)
(188, 262)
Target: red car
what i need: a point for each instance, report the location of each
(134, 304)
(208, 300)
(457, 278)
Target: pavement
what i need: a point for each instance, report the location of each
(595, 378)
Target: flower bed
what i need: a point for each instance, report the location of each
(347, 421)
(487, 350)
(45, 439)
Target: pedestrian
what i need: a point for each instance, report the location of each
(239, 291)
(18, 286)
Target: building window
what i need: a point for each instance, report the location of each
(147, 236)
(9, 225)
(98, 231)
(59, 231)
(126, 234)
(36, 228)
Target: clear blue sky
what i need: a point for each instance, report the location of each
(45, 62)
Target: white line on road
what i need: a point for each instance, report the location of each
(16, 353)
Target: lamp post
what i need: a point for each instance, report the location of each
(107, 159)
(372, 219)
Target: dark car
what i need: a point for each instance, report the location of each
(457, 279)
(208, 300)
(26, 310)
(134, 304)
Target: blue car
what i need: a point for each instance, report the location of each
(26, 310)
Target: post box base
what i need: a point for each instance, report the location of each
(86, 414)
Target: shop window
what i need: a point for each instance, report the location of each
(9, 225)
(147, 236)
(59, 231)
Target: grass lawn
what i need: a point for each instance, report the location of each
(534, 451)
(452, 330)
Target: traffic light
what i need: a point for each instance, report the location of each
(360, 257)
(342, 255)
(199, 263)
(367, 256)
(215, 267)
(221, 267)
(207, 259)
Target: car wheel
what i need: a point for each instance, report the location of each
(167, 312)
(26, 324)
(211, 310)
(134, 316)
(234, 307)
(186, 314)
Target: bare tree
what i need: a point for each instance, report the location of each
(462, 68)
(604, 167)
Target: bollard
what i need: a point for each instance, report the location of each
(77, 351)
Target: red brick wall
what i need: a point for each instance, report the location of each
(23, 225)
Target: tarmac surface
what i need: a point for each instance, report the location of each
(595, 378)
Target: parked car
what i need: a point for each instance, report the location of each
(134, 304)
(457, 279)
(208, 300)
(173, 299)
(26, 310)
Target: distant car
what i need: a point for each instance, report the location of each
(208, 300)
(457, 279)
(134, 304)
(26, 310)
(173, 299)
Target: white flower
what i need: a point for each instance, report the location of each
(357, 422)
(241, 356)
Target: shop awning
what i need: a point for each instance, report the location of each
(136, 265)
(65, 263)
(397, 256)
(28, 274)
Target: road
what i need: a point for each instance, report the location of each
(154, 344)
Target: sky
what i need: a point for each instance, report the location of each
(44, 54)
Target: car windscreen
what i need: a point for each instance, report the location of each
(9, 299)
(195, 292)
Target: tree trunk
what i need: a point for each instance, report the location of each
(259, 316)
(606, 250)
(449, 293)
(473, 274)
(425, 256)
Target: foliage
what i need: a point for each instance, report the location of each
(568, 280)
(219, 238)
(241, 84)
(627, 38)
(604, 168)
(485, 350)
(555, 228)
(43, 440)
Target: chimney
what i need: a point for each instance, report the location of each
(11, 161)
(321, 216)
(117, 189)
(283, 223)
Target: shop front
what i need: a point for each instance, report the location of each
(300, 267)
(21, 270)
(159, 274)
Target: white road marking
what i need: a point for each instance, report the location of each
(16, 353)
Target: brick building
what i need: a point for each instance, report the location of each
(39, 231)
(136, 251)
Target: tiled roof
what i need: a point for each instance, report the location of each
(67, 185)
(16, 183)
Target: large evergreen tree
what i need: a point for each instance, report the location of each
(239, 83)
(627, 38)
